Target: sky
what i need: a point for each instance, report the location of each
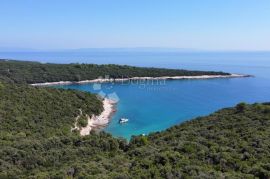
(188, 24)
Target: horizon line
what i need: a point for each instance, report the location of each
(142, 49)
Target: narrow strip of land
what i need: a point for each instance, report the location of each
(140, 78)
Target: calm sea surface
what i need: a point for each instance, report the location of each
(155, 107)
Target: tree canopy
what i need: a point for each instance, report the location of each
(36, 141)
(34, 72)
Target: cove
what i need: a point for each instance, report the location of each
(152, 107)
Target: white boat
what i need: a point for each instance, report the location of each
(123, 120)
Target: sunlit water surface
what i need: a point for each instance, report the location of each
(155, 107)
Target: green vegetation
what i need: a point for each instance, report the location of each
(36, 141)
(42, 112)
(34, 72)
(241, 107)
(82, 121)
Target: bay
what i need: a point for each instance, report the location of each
(156, 107)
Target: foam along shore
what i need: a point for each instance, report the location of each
(140, 78)
(96, 122)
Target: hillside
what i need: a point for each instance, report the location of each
(36, 141)
(34, 72)
(42, 112)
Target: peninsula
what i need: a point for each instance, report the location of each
(23, 72)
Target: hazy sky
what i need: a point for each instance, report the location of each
(198, 24)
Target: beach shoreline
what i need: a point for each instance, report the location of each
(102, 120)
(140, 78)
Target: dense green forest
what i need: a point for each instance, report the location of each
(34, 72)
(36, 141)
(42, 112)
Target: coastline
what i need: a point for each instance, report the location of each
(140, 78)
(96, 122)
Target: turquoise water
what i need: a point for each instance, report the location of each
(153, 107)
(156, 107)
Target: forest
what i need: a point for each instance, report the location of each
(36, 141)
(35, 72)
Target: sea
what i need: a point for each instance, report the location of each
(157, 105)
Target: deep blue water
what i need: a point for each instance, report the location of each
(155, 107)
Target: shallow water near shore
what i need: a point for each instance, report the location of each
(156, 107)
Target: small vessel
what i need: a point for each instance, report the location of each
(123, 120)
